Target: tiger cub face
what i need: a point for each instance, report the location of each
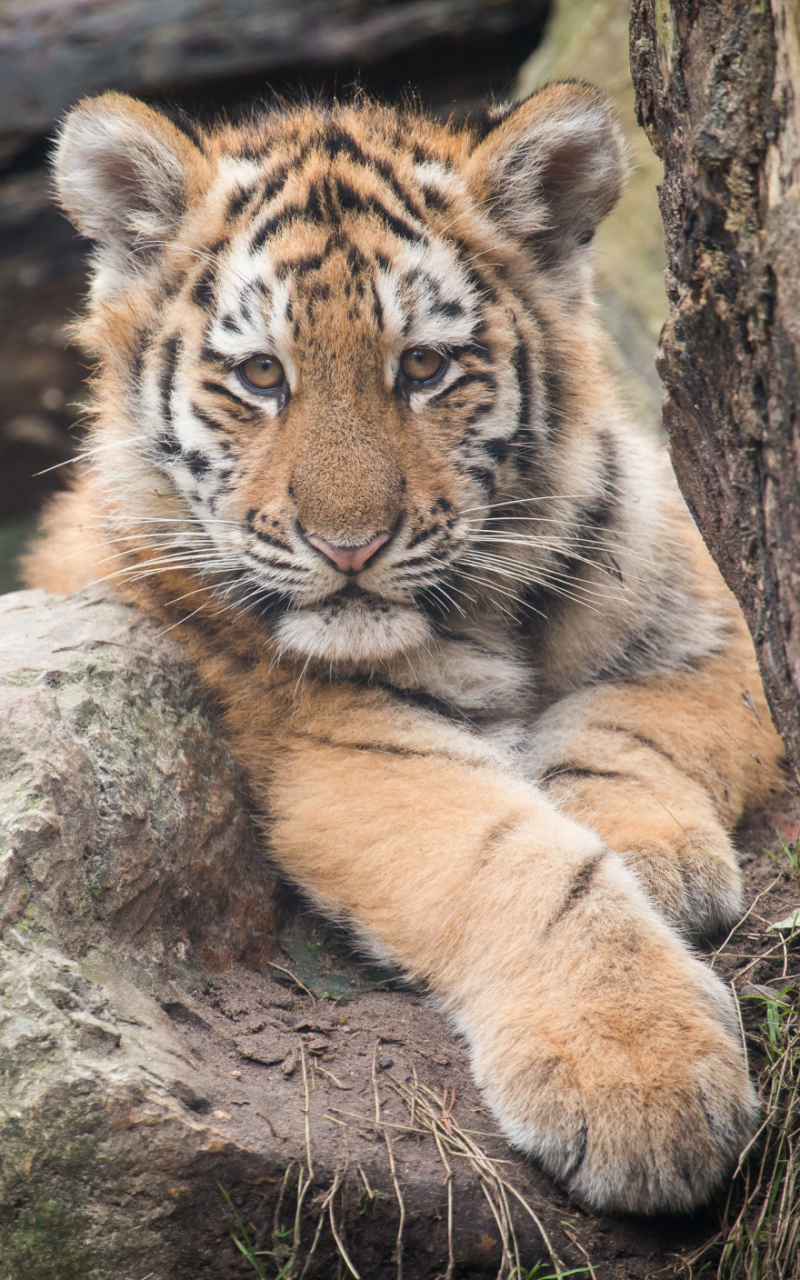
(329, 344)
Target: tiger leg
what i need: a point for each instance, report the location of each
(603, 1047)
(662, 769)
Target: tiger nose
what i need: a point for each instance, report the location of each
(348, 559)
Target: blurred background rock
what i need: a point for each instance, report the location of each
(213, 55)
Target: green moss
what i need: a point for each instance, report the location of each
(45, 1241)
(665, 34)
(24, 679)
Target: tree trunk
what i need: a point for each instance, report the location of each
(718, 92)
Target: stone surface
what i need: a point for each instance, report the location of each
(122, 815)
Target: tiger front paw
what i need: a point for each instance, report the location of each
(694, 882)
(643, 1106)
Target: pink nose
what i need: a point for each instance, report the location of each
(348, 559)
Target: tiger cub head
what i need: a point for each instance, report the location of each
(335, 344)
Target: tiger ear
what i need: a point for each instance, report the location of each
(550, 169)
(123, 173)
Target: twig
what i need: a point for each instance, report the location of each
(451, 1257)
(578, 1245)
(339, 1242)
(263, 1116)
(306, 1106)
(392, 1166)
(294, 979)
(732, 986)
(276, 1222)
(332, 1077)
(738, 926)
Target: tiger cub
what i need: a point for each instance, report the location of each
(353, 430)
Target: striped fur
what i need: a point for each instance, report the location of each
(507, 751)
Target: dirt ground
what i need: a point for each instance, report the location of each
(325, 1064)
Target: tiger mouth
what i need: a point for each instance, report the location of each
(349, 598)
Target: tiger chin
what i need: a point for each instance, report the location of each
(353, 430)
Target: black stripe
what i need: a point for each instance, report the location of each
(556, 392)
(484, 477)
(239, 198)
(338, 141)
(434, 198)
(598, 514)
(581, 771)
(208, 421)
(520, 363)
(377, 748)
(377, 306)
(418, 698)
(497, 449)
(197, 462)
(472, 347)
(311, 211)
(269, 539)
(493, 840)
(351, 200)
(169, 358)
(466, 255)
(463, 381)
(275, 182)
(476, 414)
(217, 389)
(187, 124)
(578, 889)
(209, 353)
(651, 745)
(422, 536)
(486, 118)
(203, 289)
(302, 266)
(168, 444)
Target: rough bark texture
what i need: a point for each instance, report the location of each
(718, 89)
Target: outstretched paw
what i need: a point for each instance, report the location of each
(618, 1064)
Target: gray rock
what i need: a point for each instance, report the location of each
(122, 814)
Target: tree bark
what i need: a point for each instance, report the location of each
(718, 92)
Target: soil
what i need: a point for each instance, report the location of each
(293, 1060)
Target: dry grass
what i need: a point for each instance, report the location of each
(759, 1233)
(429, 1115)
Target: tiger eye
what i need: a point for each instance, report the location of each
(421, 364)
(263, 373)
